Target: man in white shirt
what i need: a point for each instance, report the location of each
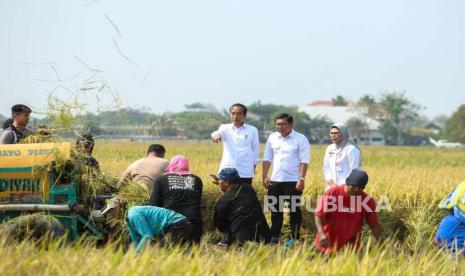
(240, 144)
(289, 152)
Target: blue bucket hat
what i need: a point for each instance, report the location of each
(229, 174)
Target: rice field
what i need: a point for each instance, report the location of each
(413, 180)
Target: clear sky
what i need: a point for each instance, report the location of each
(220, 52)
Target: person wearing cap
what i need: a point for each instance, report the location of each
(146, 170)
(341, 157)
(240, 144)
(181, 191)
(148, 222)
(289, 153)
(238, 211)
(341, 213)
(17, 130)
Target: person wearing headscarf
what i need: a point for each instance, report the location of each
(450, 234)
(181, 191)
(341, 157)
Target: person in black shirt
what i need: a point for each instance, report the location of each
(181, 191)
(238, 211)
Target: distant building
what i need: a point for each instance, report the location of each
(372, 135)
(434, 127)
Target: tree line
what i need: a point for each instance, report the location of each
(399, 120)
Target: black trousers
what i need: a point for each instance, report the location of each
(179, 232)
(246, 180)
(257, 233)
(280, 192)
(197, 231)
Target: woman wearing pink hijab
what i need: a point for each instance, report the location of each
(181, 191)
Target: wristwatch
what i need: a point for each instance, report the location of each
(302, 178)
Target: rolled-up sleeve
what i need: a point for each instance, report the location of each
(268, 154)
(256, 147)
(304, 150)
(220, 131)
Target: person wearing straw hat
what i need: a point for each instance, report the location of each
(17, 129)
(181, 191)
(341, 213)
(341, 157)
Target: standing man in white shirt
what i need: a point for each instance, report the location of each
(289, 153)
(341, 157)
(240, 144)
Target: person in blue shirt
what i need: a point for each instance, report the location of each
(451, 235)
(148, 222)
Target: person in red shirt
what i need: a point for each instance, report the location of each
(341, 213)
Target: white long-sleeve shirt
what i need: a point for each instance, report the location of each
(240, 148)
(286, 155)
(338, 163)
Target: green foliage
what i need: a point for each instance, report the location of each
(455, 127)
(398, 112)
(316, 129)
(339, 101)
(357, 127)
(197, 125)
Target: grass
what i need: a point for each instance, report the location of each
(413, 179)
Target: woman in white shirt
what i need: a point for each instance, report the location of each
(341, 157)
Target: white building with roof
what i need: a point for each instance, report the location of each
(341, 114)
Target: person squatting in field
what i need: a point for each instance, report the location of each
(181, 191)
(341, 213)
(238, 211)
(240, 144)
(341, 157)
(148, 222)
(146, 170)
(450, 235)
(289, 153)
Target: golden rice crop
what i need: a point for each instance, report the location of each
(414, 180)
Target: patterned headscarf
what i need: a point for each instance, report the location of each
(178, 165)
